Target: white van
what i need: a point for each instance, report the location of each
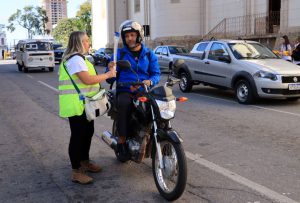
(35, 54)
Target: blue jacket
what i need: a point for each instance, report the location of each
(142, 67)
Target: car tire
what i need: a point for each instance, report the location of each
(51, 69)
(25, 69)
(186, 83)
(244, 92)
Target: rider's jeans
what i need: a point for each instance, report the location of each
(124, 109)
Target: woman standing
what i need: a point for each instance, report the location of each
(75, 66)
(285, 49)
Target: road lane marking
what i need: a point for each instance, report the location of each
(259, 107)
(49, 86)
(239, 179)
(29, 76)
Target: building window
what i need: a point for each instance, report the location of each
(137, 6)
(175, 1)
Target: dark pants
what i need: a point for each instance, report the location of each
(124, 110)
(81, 137)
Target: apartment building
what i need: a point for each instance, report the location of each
(188, 21)
(56, 10)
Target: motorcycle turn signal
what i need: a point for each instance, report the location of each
(143, 99)
(181, 99)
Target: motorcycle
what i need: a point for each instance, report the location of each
(151, 134)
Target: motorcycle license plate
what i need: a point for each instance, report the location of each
(294, 86)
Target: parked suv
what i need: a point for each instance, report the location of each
(166, 55)
(249, 68)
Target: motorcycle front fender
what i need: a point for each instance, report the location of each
(170, 134)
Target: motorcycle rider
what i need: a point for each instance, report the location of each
(146, 69)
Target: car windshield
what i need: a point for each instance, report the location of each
(251, 51)
(177, 50)
(39, 46)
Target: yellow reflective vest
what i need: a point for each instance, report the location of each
(69, 101)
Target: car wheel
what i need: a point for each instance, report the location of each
(185, 83)
(51, 69)
(244, 92)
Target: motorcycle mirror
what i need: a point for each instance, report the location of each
(124, 64)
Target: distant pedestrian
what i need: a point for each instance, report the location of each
(285, 49)
(75, 67)
(296, 52)
(3, 53)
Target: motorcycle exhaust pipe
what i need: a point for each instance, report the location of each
(109, 139)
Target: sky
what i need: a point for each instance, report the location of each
(9, 7)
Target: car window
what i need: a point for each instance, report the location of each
(217, 50)
(158, 50)
(177, 50)
(165, 51)
(201, 47)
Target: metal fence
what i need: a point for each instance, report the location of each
(245, 26)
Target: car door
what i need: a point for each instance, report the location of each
(157, 52)
(165, 58)
(216, 70)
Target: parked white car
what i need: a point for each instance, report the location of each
(167, 53)
(248, 67)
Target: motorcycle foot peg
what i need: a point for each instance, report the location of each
(109, 139)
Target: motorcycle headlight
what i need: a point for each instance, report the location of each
(166, 108)
(265, 74)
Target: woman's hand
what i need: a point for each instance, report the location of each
(111, 73)
(112, 65)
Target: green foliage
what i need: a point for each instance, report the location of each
(82, 22)
(84, 14)
(33, 19)
(64, 28)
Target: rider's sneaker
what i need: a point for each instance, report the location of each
(123, 152)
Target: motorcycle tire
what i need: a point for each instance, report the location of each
(174, 162)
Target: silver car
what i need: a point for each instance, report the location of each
(166, 54)
(249, 68)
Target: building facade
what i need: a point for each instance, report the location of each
(3, 40)
(186, 22)
(56, 10)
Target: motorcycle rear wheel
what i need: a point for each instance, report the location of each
(171, 180)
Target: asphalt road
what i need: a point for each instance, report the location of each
(236, 153)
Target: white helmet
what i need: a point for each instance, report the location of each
(131, 26)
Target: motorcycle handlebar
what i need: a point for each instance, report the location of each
(130, 83)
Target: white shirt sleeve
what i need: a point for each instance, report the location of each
(76, 64)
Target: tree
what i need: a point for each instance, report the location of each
(64, 28)
(84, 14)
(33, 19)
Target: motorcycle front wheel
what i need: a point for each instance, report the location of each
(171, 179)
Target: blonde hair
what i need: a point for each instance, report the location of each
(75, 44)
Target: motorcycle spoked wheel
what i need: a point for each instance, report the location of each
(171, 180)
(115, 132)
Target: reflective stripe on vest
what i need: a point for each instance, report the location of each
(69, 101)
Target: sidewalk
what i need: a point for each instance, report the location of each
(7, 62)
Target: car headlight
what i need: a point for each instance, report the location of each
(30, 59)
(166, 108)
(265, 74)
(50, 58)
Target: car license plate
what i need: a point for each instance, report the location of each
(294, 86)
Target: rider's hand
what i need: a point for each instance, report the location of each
(134, 88)
(147, 82)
